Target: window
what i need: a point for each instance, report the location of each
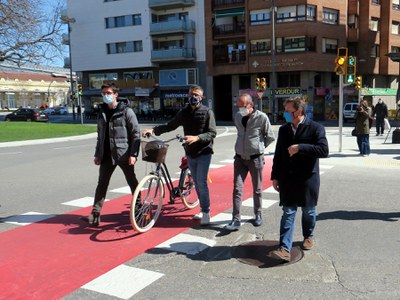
(311, 13)
(138, 75)
(352, 21)
(295, 44)
(395, 27)
(123, 21)
(395, 49)
(192, 76)
(376, 2)
(286, 14)
(374, 25)
(124, 47)
(374, 51)
(96, 80)
(396, 4)
(259, 17)
(330, 16)
(329, 45)
(260, 46)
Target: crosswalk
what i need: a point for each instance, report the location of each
(117, 282)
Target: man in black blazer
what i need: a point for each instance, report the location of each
(295, 173)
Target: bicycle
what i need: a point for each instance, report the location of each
(148, 196)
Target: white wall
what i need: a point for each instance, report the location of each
(89, 35)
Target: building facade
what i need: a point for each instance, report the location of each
(33, 86)
(155, 49)
(307, 34)
(152, 49)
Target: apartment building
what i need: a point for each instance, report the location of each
(153, 49)
(307, 34)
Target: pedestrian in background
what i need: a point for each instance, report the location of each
(295, 174)
(254, 134)
(380, 112)
(362, 128)
(118, 143)
(199, 128)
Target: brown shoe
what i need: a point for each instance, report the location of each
(308, 243)
(281, 254)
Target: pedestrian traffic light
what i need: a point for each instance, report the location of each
(341, 61)
(263, 83)
(258, 84)
(358, 82)
(351, 70)
(80, 89)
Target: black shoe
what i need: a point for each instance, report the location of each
(93, 219)
(258, 221)
(233, 226)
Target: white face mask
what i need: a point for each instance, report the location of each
(380, 101)
(108, 99)
(244, 111)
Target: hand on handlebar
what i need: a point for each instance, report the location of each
(147, 132)
(190, 139)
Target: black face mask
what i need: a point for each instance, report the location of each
(194, 100)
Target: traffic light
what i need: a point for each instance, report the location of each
(341, 61)
(358, 82)
(263, 83)
(80, 89)
(351, 70)
(258, 84)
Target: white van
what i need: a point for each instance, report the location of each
(349, 111)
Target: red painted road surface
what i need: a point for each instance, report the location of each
(52, 258)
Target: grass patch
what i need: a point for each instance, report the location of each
(21, 131)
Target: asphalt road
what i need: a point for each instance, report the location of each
(357, 231)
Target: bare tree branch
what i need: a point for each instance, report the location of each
(28, 33)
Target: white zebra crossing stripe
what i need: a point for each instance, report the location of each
(265, 203)
(187, 244)
(81, 202)
(223, 219)
(27, 218)
(270, 190)
(123, 281)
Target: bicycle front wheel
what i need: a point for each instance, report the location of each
(188, 192)
(146, 203)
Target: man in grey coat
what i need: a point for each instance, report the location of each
(254, 134)
(118, 143)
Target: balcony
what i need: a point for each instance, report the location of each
(222, 56)
(229, 30)
(170, 4)
(218, 4)
(178, 26)
(175, 54)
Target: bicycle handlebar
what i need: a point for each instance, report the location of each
(177, 137)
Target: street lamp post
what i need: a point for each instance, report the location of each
(395, 57)
(273, 81)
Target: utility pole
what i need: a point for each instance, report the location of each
(273, 81)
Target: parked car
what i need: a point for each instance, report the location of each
(349, 111)
(48, 111)
(27, 114)
(60, 110)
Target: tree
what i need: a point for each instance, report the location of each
(30, 32)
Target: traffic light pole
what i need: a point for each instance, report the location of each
(340, 111)
(78, 97)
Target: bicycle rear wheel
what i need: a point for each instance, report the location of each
(188, 192)
(146, 203)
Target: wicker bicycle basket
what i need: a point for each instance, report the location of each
(154, 151)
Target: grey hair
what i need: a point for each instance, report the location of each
(249, 99)
(298, 102)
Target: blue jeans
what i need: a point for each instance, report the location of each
(363, 144)
(308, 220)
(199, 168)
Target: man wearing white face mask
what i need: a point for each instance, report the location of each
(254, 134)
(118, 142)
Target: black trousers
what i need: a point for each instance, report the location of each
(105, 172)
(380, 125)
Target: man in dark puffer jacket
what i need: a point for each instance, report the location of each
(118, 143)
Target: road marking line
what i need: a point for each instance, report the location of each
(81, 202)
(223, 219)
(265, 203)
(325, 166)
(187, 244)
(122, 190)
(11, 153)
(215, 166)
(123, 281)
(228, 161)
(27, 218)
(271, 190)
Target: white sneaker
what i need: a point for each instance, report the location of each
(198, 216)
(205, 220)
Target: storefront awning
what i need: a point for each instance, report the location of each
(223, 13)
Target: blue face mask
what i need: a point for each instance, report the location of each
(108, 99)
(194, 100)
(288, 117)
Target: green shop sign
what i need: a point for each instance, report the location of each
(378, 92)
